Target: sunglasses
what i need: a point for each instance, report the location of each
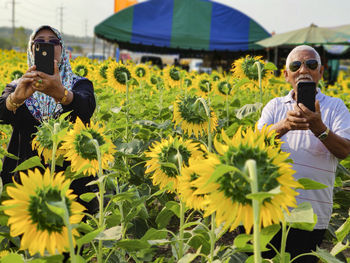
(53, 41)
(311, 64)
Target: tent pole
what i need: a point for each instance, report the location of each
(276, 60)
(93, 46)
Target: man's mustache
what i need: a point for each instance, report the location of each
(304, 76)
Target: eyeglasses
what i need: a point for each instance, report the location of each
(311, 64)
(53, 41)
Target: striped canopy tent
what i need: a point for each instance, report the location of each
(197, 25)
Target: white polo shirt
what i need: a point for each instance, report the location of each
(311, 158)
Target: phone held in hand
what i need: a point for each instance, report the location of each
(44, 57)
(307, 94)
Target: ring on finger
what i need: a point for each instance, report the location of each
(37, 84)
(40, 81)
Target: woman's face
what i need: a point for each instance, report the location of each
(46, 35)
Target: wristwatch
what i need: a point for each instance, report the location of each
(323, 135)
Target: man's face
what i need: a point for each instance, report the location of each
(303, 73)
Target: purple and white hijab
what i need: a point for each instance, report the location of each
(40, 105)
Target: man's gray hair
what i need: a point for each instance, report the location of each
(301, 48)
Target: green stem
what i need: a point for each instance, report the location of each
(251, 166)
(258, 65)
(127, 107)
(283, 241)
(120, 205)
(207, 111)
(212, 237)
(73, 258)
(101, 199)
(54, 148)
(181, 230)
(227, 113)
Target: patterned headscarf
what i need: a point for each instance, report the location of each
(40, 105)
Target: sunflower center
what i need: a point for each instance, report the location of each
(205, 85)
(224, 87)
(84, 145)
(16, 74)
(192, 111)
(171, 155)
(187, 82)
(140, 72)
(233, 184)
(103, 70)
(81, 70)
(251, 71)
(41, 215)
(174, 74)
(120, 76)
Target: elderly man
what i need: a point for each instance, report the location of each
(315, 141)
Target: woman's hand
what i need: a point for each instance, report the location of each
(25, 86)
(51, 85)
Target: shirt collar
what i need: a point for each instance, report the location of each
(289, 97)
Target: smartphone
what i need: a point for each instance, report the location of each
(307, 94)
(44, 57)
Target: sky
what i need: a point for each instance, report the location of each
(81, 16)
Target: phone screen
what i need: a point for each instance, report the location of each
(307, 94)
(44, 57)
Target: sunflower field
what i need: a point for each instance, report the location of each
(178, 166)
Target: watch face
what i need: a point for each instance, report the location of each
(323, 136)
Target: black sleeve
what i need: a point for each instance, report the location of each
(6, 116)
(84, 103)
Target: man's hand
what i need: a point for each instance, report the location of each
(314, 119)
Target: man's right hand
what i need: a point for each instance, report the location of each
(25, 86)
(293, 121)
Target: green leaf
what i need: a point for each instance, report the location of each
(267, 233)
(325, 256)
(248, 109)
(57, 208)
(241, 240)
(88, 237)
(343, 230)
(309, 184)
(220, 170)
(270, 66)
(155, 234)
(30, 163)
(260, 196)
(163, 218)
(113, 233)
(87, 197)
(174, 207)
(189, 257)
(11, 258)
(302, 217)
(339, 247)
(241, 82)
(132, 244)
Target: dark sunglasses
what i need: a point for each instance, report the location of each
(311, 64)
(53, 41)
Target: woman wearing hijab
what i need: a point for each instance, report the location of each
(37, 96)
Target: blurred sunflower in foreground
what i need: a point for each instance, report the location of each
(81, 151)
(43, 141)
(245, 68)
(227, 191)
(168, 157)
(29, 215)
(190, 114)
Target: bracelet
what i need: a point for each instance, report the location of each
(13, 104)
(65, 96)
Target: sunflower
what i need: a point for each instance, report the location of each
(82, 67)
(101, 71)
(168, 151)
(116, 75)
(223, 88)
(30, 216)
(141, 72)
(187, 187)
(227, 193)
(203, 84)
(43, 142)
(190, 114)
(245, 68)
(173, 76)
(81, 151)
